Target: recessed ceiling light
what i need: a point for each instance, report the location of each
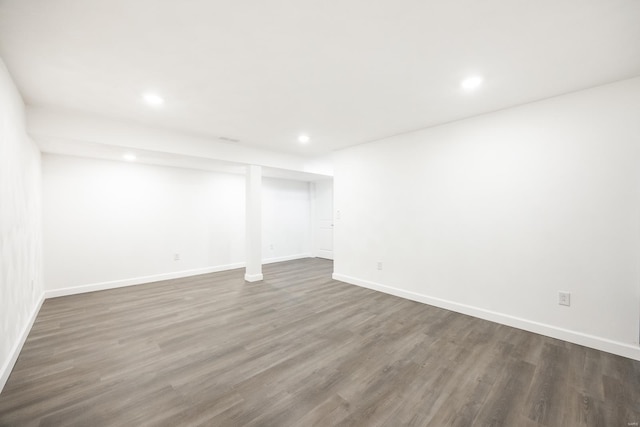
(129, 157)
(153, 99)
(304, 139)
(471, 83)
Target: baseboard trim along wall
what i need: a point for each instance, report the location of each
(286, 258)
(5, 371)
(599, 343)
(101, 286)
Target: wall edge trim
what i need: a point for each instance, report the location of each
(113, 284)
(101, 286)
(599, 343)
(6, 369)
(253, 277)
(286, 258)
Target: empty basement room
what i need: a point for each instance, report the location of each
(303, 213)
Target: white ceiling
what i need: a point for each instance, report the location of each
(115, 153)
(345, 72)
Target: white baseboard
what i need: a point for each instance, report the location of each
(286, 258)
(253, 277)
(599, 343)
(101, 286)
(92, 287)
(6, 369)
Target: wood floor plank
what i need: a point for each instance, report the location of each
(299, 349)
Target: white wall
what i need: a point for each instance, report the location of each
(285, 219)
(109, 223)
(493, 215)
(20, 226)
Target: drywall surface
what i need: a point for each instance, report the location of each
(107, 221)
(286, 215)
(20, 226)
(495, 214)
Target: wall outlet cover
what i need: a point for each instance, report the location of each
(564, 298)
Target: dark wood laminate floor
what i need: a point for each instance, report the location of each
(299, 349)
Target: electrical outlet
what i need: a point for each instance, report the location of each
(271, 246)
(564, 298)
(379, 265)
(176, 257)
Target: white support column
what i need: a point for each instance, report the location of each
(253, 209)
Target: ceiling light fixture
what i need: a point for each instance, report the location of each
(153, 99)
(304, 139)
(471, 83)
(129, 157)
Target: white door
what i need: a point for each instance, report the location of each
(324, 219)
